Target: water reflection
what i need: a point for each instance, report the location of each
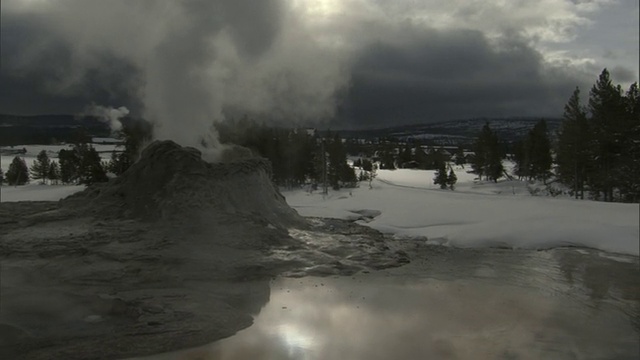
(557, 304)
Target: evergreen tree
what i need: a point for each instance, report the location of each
(420, 157)
(90, 170)
(607, 125)
(18, 173)
(460, 159)
(118, 163)
(573, 148)
(40, 167)
(487, 160)
(54, 172)
(521, 159)
(434, 158)
(339, 173)
(69, 166)
(1, 176)
(538, 152)
(599, 151)
(452, 179)
(405, 156)
(387, 160)
(441, 177)
(628, 173)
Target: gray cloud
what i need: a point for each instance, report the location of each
(180, 64)
(184, 64)
(40, 75)
(622, 74)
(440, 75)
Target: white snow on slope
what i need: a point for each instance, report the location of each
(478, 215)
(37, 192)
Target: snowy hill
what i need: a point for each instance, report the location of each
(456, 132)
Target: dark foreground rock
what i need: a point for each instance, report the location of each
(175, 253)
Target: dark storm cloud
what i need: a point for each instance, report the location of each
(177, 63)
(183, 64)
(35, 71)
(440, 75)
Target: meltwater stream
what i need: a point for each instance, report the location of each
(451, 304)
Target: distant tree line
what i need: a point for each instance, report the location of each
(297, 156)
(81, 164)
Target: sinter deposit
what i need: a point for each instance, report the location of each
(175, 253)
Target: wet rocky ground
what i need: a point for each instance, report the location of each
(78, 287)
(177, 253)
(564, 303)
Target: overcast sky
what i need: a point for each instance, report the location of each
(354, 63)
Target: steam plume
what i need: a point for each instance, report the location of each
(108, 115)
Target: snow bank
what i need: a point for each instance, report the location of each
(37, 192)
(478, 215)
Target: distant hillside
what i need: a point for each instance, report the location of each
(45, 129)
(457, 132)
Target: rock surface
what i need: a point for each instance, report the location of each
(175, 253)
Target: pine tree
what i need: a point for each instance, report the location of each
(628, 173)
(460, 159)
(405, 156)
(90, 170)
(387, 160)
(573, 149)
(487, 160)
(40, 167)
(539, 152)
(521, 159)
(69, 166)
(118, 163)
(337, 157)
(601, 152)
(420, 157)
(607, 125)
(54, 172)
(18, 173)
(440, 177)
(452, 179)
(1, 176)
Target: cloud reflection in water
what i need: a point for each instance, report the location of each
(395, 318)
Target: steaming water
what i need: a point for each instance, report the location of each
(460, 304)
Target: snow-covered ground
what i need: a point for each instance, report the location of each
(37, 192)
(52, 151)
(477, 214)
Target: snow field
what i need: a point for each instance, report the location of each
(34, 191)
(478, 214)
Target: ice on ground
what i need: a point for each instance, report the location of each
(478, 214)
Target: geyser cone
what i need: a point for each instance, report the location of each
(170, 181)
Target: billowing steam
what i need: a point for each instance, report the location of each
(199, 60)
(185, 64)
(109, 115)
